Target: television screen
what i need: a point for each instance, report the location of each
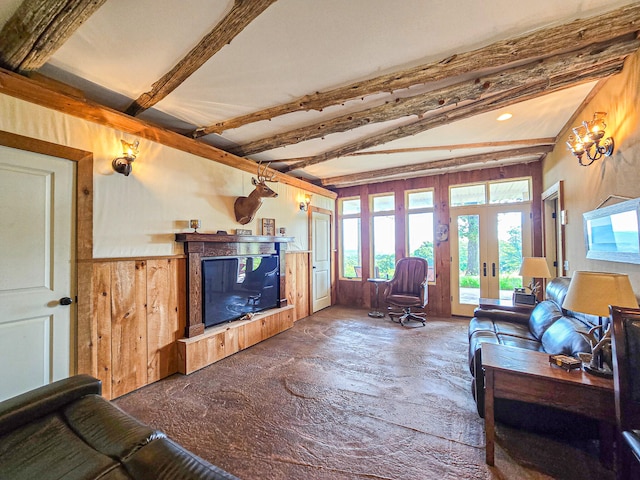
(235, 286)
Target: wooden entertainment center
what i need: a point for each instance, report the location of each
(203, 347)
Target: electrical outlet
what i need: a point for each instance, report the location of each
(566, 265)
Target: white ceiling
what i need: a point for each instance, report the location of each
(298, 47)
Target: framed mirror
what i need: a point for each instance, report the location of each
(611, 233)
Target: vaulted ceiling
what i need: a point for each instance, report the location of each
(339, 92)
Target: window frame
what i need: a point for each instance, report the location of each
(418, 210)
(382, 213)
(487, 191)
(341, 253)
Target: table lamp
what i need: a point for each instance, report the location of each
(592, 293)
(534, 267)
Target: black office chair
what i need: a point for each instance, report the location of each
(626, 377)
(407, 289)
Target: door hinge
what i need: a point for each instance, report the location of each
(553, 215)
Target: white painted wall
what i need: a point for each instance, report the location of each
(587, 187)
(137, 216)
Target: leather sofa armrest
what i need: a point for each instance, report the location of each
(502, 315)
(44, 400)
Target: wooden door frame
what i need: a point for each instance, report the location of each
(332, 249)
(490, 212)
(85, 333)
(555, 192)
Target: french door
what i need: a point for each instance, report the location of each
(487, 246)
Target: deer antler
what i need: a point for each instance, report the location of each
(262, 177)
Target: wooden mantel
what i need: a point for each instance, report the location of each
(201, 245)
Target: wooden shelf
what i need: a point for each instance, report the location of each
(220, 341)
(222, 238)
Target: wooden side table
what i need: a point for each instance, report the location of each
(508, 305)
(526, 375)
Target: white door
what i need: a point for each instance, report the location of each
(36, 255)
(487, 246)
(321, 260)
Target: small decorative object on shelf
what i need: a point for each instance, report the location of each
(195, 224)
(283, 231)
(243, 231)
(564, 361)
(221, 232)
(268, 226)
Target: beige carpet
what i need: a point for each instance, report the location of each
(345, 396)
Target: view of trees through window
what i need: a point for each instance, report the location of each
(383, 235)
(419, 234)
(420, 229)
(350, 237)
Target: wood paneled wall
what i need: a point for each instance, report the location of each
(297, 283)
(359, 291)
(139, 312)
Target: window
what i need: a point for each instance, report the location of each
(420, 229)
(507, 191)
(383, 235)
(350, 251)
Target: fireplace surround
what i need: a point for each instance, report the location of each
(201, 246)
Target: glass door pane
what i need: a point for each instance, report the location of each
(468, 236)
(509, 228)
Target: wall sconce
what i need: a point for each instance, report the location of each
(304, 206)
(129, 153)
(587, 140)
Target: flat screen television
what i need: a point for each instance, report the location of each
(235, 286)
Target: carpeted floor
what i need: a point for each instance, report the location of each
(345, 396)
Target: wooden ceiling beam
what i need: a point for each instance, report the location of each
(38, 28)
(44, 95)
(560, 38)
(506, 98)
(356, 178)
(470, 90)
(528, 142)
(242, 14)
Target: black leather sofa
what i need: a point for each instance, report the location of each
(548, 328)
(66, 430)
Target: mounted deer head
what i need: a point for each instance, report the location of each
(246, 207)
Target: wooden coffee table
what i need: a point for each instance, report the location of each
(526, 375)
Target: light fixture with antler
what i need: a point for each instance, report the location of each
(129, 153)
(587, 137)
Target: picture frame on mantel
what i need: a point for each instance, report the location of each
(268, 226)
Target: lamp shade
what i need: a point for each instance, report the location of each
(534, 267)
(593, 292)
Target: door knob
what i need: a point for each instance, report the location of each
(66, 301)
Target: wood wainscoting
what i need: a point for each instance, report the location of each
(138, 314)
